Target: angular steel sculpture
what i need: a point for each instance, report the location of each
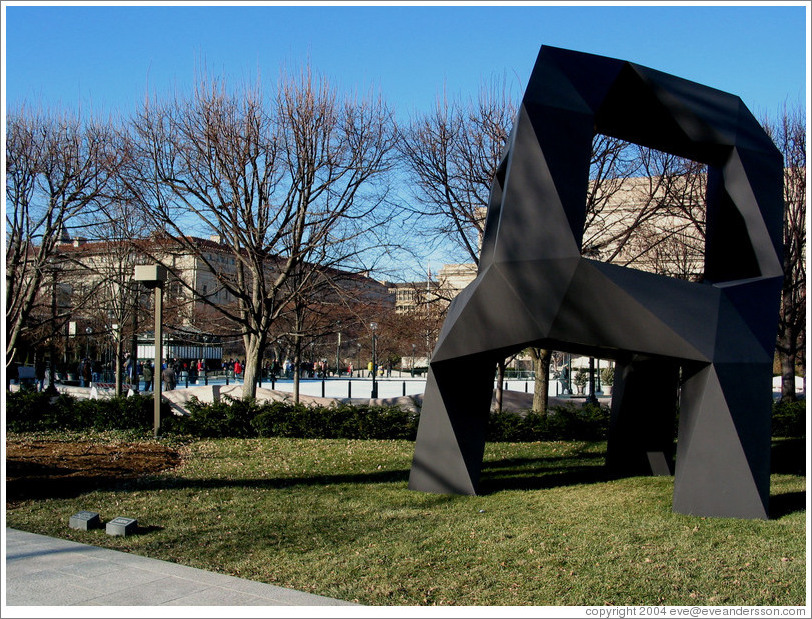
(534, 288)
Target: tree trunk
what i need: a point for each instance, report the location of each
(119, 351)
(251, 368)
(297, 363)
(788, 372)
(788, 346)
(51, 388)
(541, 361)
(500, 379)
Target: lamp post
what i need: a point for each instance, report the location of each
(569, 373)
(88, 331)
(598, 388)
(154, 276)
(592, 397)
(414, 349)
(374, 326)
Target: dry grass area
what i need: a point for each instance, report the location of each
(41, 468)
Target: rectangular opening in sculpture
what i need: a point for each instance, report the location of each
(645, 210)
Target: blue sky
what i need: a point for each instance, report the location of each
(103, 56)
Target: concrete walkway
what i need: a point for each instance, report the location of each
(45, 571)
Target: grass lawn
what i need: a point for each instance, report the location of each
(335, 518)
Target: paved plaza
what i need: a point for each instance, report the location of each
(45, 571)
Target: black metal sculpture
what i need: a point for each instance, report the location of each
(534, 288)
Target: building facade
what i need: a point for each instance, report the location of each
(95, 284)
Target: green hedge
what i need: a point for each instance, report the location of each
(240, 418)
(567, 422)
(32, 411)
(228, 417)
(789, 418)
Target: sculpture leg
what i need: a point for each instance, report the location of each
(644, 409)
(723, 446)
(451, 434)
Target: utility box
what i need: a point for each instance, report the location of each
(150, 274)
(26, 376)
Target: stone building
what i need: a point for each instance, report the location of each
(94, 283)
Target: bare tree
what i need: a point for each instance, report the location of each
(59, 169)
(789, 135)
(285, 184)
(313, 298)
(117, 301)
(451, 156)
(645, 209)
(612, 162)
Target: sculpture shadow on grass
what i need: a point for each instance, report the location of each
(787, 503)
(541, 473)
(788, 456)
(526, 473)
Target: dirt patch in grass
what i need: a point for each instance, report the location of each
(39, 469)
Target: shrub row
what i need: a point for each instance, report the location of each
(240, 418)
(247, 419)
(32, 411)
(586, 422)
(789, 418)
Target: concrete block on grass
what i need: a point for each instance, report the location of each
(85, 521)
(122, 526)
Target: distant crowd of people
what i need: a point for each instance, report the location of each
(89, 371)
